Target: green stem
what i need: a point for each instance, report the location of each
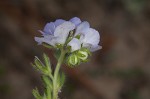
(48, 93)
(60, 60)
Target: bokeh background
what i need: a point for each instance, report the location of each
(121, 70)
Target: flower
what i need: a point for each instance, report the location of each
(73, 33)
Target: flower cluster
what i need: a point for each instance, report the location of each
(75, 36)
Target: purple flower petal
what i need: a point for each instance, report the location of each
(58, 22)
(91, 36)
(49, 28)
(75, 20)
(41, 40)
(51, 40)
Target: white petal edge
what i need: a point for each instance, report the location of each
(75, 44)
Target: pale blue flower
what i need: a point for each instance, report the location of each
(58, 31)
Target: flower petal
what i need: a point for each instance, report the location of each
(58, 22)
(75, 20)
(82, 26)
(91, 36)
(95, 48)
(40, 40)
(75, 44)
(63, 30)
(46, 39)
(49, 28)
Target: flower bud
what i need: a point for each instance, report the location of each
(73, 60)
(82, 55)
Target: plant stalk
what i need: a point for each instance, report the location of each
(60, 60)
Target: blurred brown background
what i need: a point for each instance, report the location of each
(121, 70)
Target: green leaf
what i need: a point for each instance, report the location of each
(36, 94)
(47, 81)
(39, 66)
(60, 80)
(47, 62)
(48, 86)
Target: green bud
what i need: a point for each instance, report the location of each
(36, 94)
(86, 50)
(83, 55)
(73, 60)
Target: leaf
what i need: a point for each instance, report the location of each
(48, 86)
(60, 80)
(36, 94)
(39, 66)
(47, 62)
(47, 82)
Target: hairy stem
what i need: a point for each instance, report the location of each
(60, 60)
